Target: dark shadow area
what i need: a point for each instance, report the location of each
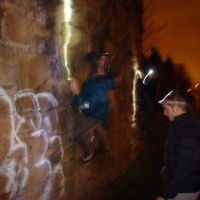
(142, 179)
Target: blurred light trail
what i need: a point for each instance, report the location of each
(151, 71)
(162, 100)
(138, 75)
(67, 33)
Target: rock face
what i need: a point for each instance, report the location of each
(38, 159)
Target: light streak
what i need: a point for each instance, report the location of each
(163, 100)
(138, 75)
(149, 73)
(196, 85)
(67, 33)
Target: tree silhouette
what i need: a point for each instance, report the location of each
(182, 79)
(170, 75)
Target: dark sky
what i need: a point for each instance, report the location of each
(180, 38)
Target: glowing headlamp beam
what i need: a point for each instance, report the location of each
(66, 31)
(149, 73)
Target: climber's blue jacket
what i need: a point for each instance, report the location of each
(93, 99)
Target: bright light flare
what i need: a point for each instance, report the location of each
(67, 10)
(197, 85)
(151, 71)
(67, 33)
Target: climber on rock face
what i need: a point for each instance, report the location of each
(93, 101)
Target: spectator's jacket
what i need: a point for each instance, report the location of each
(182, 157)
(93, 99)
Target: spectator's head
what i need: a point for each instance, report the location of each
(176, 103)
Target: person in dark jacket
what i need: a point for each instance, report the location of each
(181, 174)
(93, 101)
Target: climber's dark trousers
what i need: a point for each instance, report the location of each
(91, 126)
